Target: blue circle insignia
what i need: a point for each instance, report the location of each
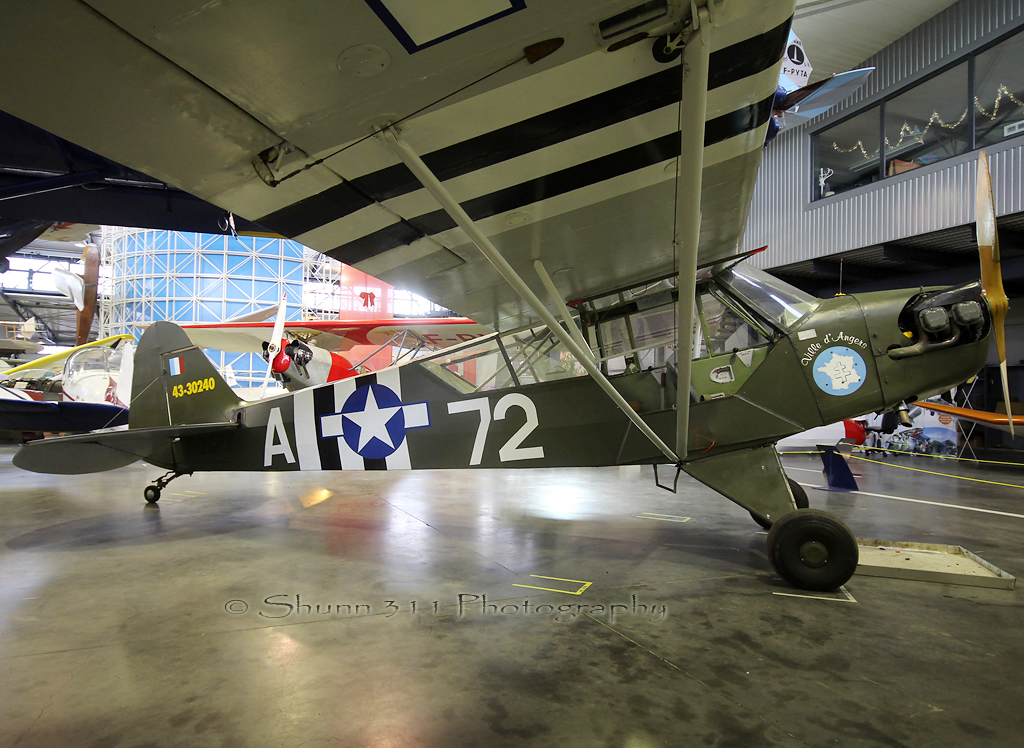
(373, 421)
(839, 370)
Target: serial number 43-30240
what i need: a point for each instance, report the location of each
(192, 388)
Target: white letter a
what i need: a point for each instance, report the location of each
(276, 432)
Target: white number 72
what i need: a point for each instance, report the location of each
(511, 451)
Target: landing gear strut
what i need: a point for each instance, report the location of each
(799, 495)
(813, 550)
(152, 493)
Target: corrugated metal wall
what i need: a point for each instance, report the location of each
(927, 199)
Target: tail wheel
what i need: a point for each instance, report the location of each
(813, 550)
(799, 495)
(152, 494)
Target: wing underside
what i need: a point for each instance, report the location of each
(571, 160)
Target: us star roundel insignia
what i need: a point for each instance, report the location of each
(374, 421)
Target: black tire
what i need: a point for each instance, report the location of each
(152, 494)
(799, 495)
(663, 55)
(813, 550)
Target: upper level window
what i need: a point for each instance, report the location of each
(928, 123)
(847, 155)
(999, 92)
(925, 123)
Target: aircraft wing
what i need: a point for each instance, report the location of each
(19, 412)
(818, 98)
(268, 110)
(335, 335)
(55, 361)
(980, 417)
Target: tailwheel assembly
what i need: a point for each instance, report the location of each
(813, 550)
(152, 492)
(799, 496)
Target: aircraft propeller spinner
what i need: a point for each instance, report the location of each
(991, 271)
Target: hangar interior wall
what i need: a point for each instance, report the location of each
(934, 197)
(187, 277)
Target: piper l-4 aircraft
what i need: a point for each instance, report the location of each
(474, 153)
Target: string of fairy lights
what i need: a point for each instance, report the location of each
(918, 135)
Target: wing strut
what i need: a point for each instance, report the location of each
(559, 303)
(433, 185)
(692, 111)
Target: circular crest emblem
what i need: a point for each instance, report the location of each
(839, 370)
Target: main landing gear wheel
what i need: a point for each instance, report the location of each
(813, 550)
(152, 494)
(799, 495)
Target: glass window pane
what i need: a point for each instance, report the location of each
(726, 330)
(999, 92)
(928, 123)
(846, 156)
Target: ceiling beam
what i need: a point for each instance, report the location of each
(927, 257)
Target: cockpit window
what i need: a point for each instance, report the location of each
(726, 330)
(779, 302)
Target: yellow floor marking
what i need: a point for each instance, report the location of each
(932, 472)
(655, 514)
(783, 453)
(664, 519)
(940, 457)
(932, 503)
(580, 591)
(196, 493)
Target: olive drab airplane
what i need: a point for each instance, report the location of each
(600, 154)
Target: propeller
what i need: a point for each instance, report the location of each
(991, 271)
(274, 347)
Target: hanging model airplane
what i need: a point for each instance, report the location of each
(470, 157)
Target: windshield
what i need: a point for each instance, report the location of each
(777, 301)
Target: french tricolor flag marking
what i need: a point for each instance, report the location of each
(176, 365)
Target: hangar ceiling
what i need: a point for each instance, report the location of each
(838, 35)
(938, 258)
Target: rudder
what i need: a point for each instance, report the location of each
(175, 383)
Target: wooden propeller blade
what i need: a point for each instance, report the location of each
(991, 270)
(274, 347)
(91, 278)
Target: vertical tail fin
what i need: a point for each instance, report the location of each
(174, 382)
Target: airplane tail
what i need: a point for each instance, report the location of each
(175, 384)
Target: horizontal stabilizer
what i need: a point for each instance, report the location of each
(108, 450)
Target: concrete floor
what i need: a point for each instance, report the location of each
(128, 625)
